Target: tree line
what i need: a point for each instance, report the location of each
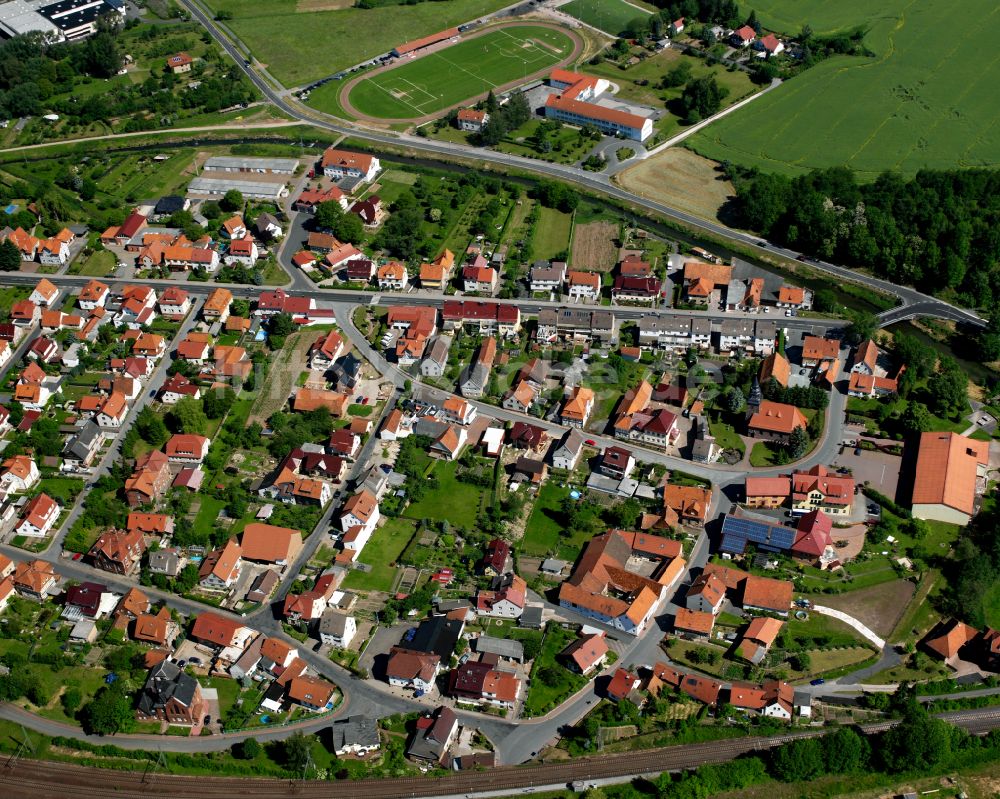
(937, 231)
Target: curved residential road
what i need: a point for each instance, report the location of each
(598, 182)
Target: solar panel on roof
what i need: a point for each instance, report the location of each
(734, 545)
(771, 536)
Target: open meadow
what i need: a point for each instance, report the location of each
(923, 100)
(471, 67)
(298, 44)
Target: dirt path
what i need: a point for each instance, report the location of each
(281, 376)
(345, 92)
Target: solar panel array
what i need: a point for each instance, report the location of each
(737, 531)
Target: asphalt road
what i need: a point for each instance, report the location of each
(802, 324)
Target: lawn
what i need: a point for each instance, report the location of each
(551, 681)
(63, 490)
(552, 234)
(451, 500)
(11, 294)
(207, 513)
(917, 103)
(543, 532)
(726, 436)
(468, 69)
(764, 453)
(821, 631)
(100, 264)
(565, 145)
(227, 689)
(610, 16)
(384, 548)
(278, 32)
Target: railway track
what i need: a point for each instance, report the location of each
(34, 779)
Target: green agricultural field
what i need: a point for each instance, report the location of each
(610, 16)
(465, 70)
(303, 40)
(922, 101)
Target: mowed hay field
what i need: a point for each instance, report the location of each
(610, 16)
(681, 179)
(299, 44)
(471, 67)
(926, 100)
(594, 247)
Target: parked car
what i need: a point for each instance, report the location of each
(817, 681)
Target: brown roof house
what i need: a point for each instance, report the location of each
(118, 551)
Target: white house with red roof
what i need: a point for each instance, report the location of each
(174, 301)
(471, 120)
(242, 251)
(339, 164)
(44, 293)
(38, 517)
(768, 45)
(743, 37)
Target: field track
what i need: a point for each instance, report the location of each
(345, 91)
(28, 779)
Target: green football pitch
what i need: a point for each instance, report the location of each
(439, 80)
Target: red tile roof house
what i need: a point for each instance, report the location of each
(496, 560)
(187, 448)
(693, 624)
(743, 37)
(947, 640)
(337, 164)
(622, 684)
(770, 596)
(471, 120)
(758, 638)
(407, 668)
(586, 653)
(706, 594)
(149, 480)
(38, 517)
(218, 631)
(775, 421)
(948, 475)
(313, 693)
(310, 199)
(481, 683)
